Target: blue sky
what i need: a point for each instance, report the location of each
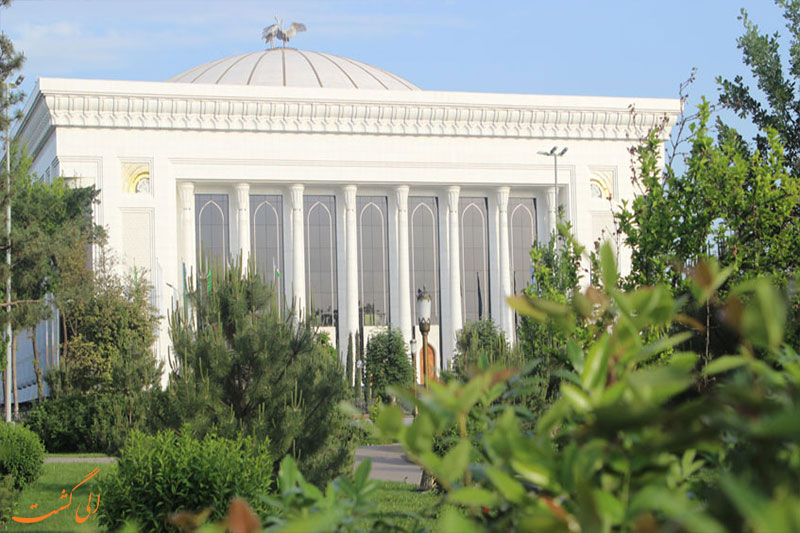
(600, 47)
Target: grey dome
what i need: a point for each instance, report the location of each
(289, 67)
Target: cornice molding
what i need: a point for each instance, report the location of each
(286, 114)
(35, 128)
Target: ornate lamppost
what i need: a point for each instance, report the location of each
(424, 319)
(427, 481)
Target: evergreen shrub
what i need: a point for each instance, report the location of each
(245, 365)
(388, 363)
(169, 471)
(93, 422)
(21, 454)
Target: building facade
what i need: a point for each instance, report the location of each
(347, 185)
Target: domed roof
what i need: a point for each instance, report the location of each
(289, 67)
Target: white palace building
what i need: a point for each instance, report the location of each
(354, 184)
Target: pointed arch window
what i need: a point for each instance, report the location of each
(474, 258)
(266, 237)
(320, 223)
(373, 259)
(522, 233)
(423, 243)
(212, 229)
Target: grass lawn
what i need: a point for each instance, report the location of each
(46, 494)
(395, 497)
(391, 497)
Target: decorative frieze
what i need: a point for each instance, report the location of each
(135, 109)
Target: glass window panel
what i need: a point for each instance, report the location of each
(522, 234)
(474, 258)
(373, 257)
(320, 213)
(423, 243)
(266, 238)
(211, 219)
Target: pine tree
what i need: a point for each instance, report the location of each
(242, 365)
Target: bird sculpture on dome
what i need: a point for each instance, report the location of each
(276, 31)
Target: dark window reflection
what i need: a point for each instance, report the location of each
(474, 258)
(373, 258)
(522, 233)
(423, 242)
(211, 220)
(266, 238)
(320, 213)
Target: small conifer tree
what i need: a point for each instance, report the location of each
(242, 365)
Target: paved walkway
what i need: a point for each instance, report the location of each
(76, 459)
(389, 464)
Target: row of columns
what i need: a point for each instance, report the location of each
(298, 260)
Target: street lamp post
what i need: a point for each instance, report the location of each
(6, 93)
(426, 482)
(555, 155)
(424, 318)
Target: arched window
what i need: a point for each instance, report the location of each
(423, 246)
(212, 229)
(266, 242)
(474, 258)
(320, 213)
(373, 258)
(522, 233)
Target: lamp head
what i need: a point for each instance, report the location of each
(19, 80)
(562, 152)
(423, 306)
(553, 150)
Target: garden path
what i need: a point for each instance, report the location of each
(389, 463)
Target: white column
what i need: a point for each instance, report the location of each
(552, 218)
(298, 251)
(188, 253)
(506, 317)
(455, 265)
(243, 222)
(351, 254)
(403, 267)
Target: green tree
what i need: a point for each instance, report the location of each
(480, 343)
(728, 202)
(50, 220)
(387, 363)
(243, 365)
(11, 62)
(110, 326)
(773, 104)
(556, 274)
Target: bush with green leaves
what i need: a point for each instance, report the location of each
(245, 366)
(158, 474)
(631, 441)
(94, 422)
(388, 363)
(479, 341)
(8, 498)
(21, 455)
